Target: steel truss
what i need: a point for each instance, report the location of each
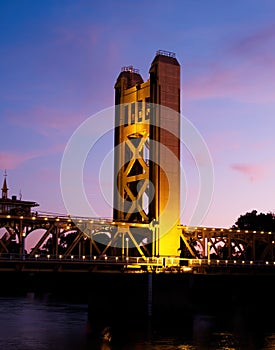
(227, 244)
(17, 228)
(103, 237)
(91, 237)
(133, 173)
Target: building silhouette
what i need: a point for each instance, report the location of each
(13, 205)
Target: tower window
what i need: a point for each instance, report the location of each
(140, 110)
(147, 107)
(133, 113)
(126, 115)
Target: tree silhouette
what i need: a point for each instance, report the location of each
(256, 222)
(252, 221)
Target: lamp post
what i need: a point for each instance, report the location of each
(122, 245)
(127, 248)
(208, 250)
(23, 245)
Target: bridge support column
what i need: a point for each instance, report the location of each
(21, 239)
(147, 151)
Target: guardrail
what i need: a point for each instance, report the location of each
(139, 264)
(164, 261)
(235, 262)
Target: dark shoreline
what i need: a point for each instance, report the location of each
(157, 293)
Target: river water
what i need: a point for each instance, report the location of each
(41, 323)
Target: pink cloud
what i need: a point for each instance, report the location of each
(228, 141)
(45, 120)
(243, 73)
(255, 172)
(251, 44)
(245, 82)
(11, 160)
(82, 35)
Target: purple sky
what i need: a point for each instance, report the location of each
(59, 61)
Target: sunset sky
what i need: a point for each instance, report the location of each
(59, 61)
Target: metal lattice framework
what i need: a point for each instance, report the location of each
(17, 228)
(194, 242)
(133, 173)
(90, 236)
(221, 243)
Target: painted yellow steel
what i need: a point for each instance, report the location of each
(148, 122)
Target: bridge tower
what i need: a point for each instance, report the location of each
(147, 151)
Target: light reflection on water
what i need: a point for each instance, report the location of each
(30, 323)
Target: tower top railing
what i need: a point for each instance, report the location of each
(130, 69)
(166, 53)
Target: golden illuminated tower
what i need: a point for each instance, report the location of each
(147, 151)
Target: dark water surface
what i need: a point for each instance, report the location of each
(41, 323)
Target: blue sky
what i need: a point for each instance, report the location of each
(59, 61)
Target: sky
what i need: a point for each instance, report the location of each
(59, 61)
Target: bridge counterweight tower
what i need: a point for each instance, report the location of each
(147, 177)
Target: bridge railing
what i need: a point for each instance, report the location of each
(49, 216)
(229, 263)
(159, 262)
(83, 258)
